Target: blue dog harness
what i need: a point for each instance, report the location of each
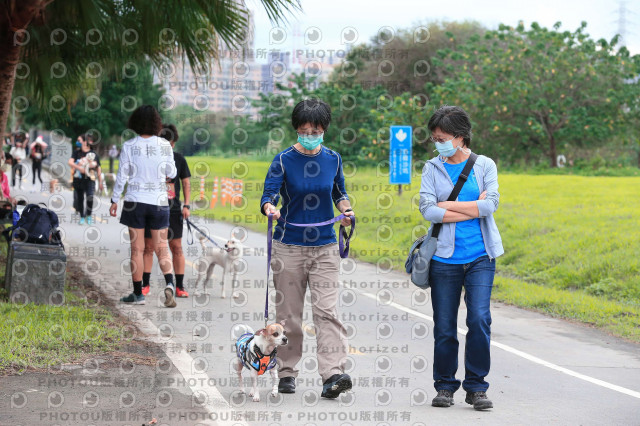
(258, 361)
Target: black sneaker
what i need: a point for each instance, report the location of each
(132, 298)
(443, 399)
(335, 385)
(479, 400)
(287, 385)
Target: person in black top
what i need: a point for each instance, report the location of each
(177, 214)
(86, 164)
(37, 154)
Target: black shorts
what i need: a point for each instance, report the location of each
(176, 223)
(141, 215)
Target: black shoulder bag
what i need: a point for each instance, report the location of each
(423, 249)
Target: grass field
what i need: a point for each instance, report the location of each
(40, 336)
(571, 242)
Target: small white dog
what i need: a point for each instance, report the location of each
(257, 353)
(224, 257)
(89, 164)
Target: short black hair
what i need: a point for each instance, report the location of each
(312, 111)
(145, 120)
(169, 132)
(452, 120)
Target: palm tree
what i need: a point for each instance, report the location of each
(55, 47)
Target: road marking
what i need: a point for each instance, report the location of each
(521, 354)
(197, 381)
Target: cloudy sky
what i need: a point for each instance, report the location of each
(331, 17)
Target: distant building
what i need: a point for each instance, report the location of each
(225, 85)
(240, 75)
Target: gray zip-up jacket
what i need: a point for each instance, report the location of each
(436, 187)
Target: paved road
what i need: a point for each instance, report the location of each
(544, 370)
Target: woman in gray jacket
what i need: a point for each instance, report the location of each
(468, 244)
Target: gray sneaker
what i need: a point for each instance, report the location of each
(479, 400)
(443, 399)
(169, 292)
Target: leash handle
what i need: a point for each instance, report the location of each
(189, 232)
(344, 245)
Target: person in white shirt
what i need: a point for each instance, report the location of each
(146, 162)
(113, 154)
(19, 154)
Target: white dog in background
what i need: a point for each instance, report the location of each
(90, 164)
(225, 257)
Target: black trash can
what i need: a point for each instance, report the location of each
(36, 273)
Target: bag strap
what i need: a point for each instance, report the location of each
(464, 175)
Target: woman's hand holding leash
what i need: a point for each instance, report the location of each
(346, 221)
(270, 209)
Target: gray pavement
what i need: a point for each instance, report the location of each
(544, 370)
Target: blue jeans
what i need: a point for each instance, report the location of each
(447, 281)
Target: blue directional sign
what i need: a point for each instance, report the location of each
(400, 154)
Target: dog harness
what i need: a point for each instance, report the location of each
(258, 361)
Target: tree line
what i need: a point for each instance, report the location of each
(532, 93)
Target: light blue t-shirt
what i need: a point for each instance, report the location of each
(469, 244)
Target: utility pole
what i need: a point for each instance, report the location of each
(622, 21)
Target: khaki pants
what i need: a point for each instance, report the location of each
(295, 267)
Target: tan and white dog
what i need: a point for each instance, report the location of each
(257, 353)
(224, 257)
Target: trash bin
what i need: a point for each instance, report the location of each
(36, 273)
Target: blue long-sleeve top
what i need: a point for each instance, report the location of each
(309, 186)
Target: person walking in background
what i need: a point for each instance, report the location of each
(146, 162)
(177, 215)
(86, 164)
(37, 154)
(468, 244)
(76, 147)
(309, 178)
(18, 155)
(113, 154)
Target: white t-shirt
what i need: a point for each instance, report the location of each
(145, 165)
(18, 153)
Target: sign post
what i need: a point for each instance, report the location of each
(400, 156)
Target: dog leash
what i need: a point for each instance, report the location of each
(343, 246)
(190, 234)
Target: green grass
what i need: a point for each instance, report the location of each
(570, 241)
(42, 335)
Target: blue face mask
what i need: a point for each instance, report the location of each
(446, 149)
(310, 142)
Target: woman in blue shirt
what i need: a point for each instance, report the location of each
(308, 178)
(468, 244)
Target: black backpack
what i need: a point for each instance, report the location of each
(36, 225)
